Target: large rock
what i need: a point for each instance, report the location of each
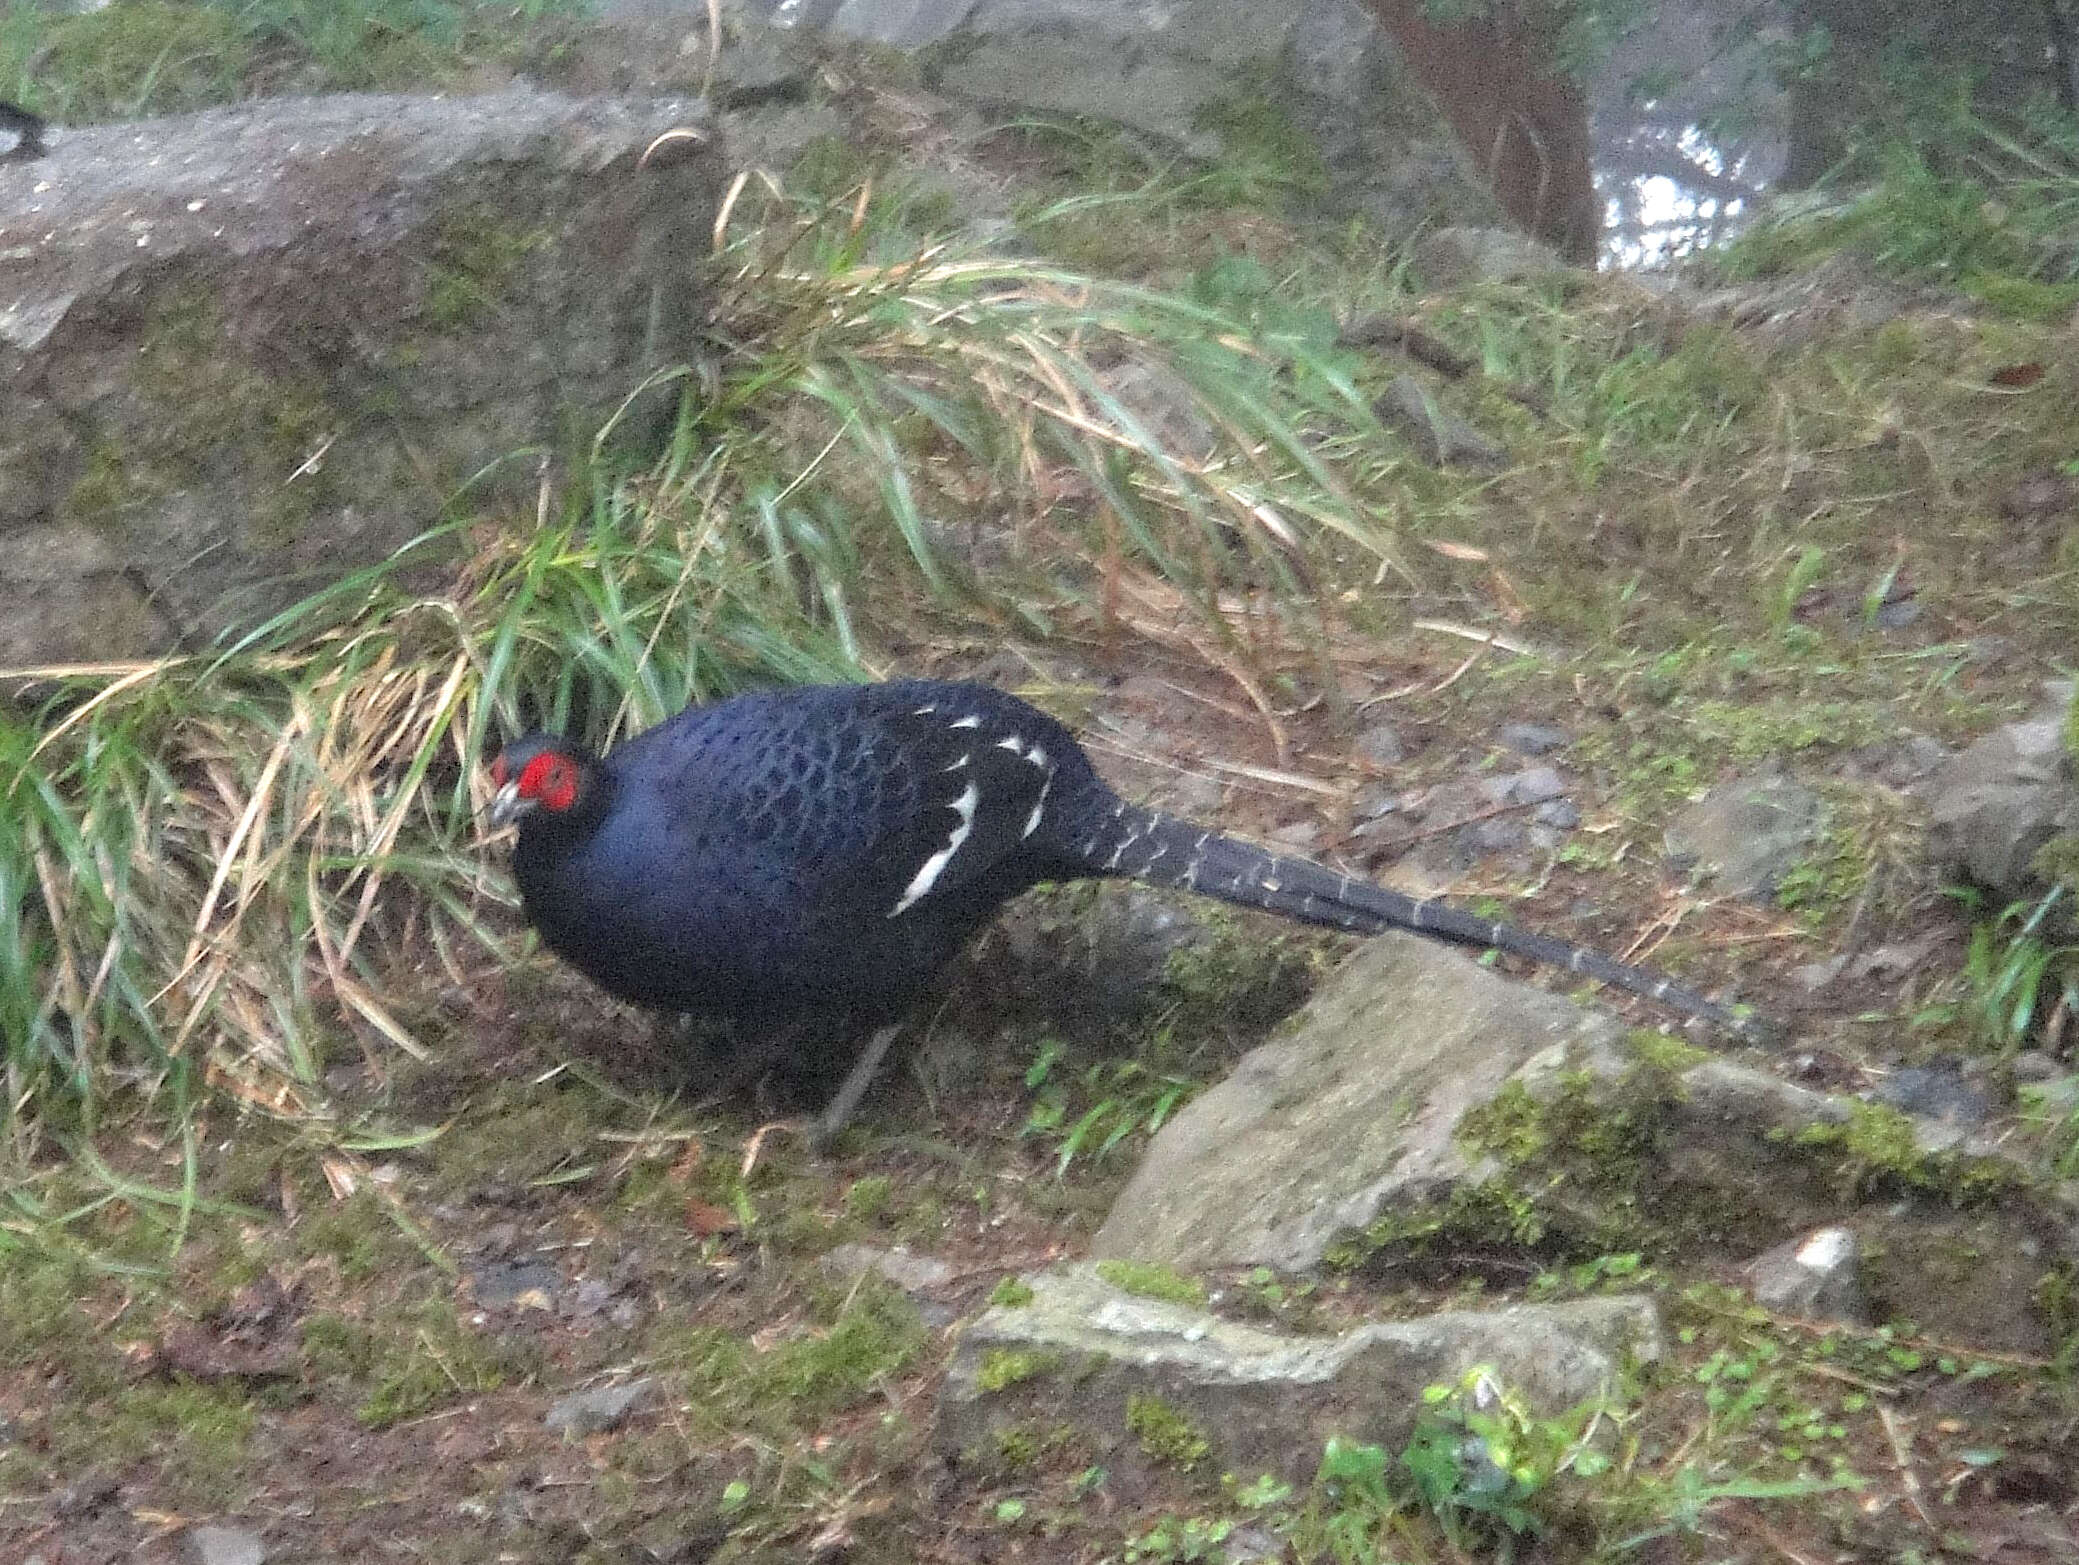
(1353, 1113)
(1173, 70)
(1422, 1106)
(246, 350)
(1994, 806)
(1145, 1379)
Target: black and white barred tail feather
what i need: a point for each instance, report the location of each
(1161, 850)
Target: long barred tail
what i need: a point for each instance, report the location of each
(1164, 851)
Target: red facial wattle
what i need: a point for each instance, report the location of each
(550, 780)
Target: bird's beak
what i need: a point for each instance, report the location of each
(506, 805)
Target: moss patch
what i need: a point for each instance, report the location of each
(205, 410)
(1876, 1148)
(435, 1359)
(1150, 1280)
(877, 1336)
(1002, 1368)
(1165, 1433)
(1012, 1293)
(477, 258)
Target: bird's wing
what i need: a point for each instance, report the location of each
(961, 791)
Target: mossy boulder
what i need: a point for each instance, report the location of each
(246, 351)
(1422, 1113)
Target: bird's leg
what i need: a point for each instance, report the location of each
(751, 1060)
(839, 1111)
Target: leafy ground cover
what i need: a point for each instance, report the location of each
(322, 1189)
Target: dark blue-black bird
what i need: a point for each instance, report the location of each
(797, 856)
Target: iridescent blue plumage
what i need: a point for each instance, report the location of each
(824, 852)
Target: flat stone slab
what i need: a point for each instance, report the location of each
(1145, 1379)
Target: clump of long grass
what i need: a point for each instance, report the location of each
(230, 869)
(1145, 435)
(1981, 204)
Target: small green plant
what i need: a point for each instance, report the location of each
(1186, 1540)
(1129, 1100)
(869, 1197)
(1011, 1293)
(1002, 1368)
(1352, 1505)
(1480, 1462)
(2020, 967)
(1988, 218)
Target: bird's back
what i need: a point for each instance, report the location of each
(760, 857)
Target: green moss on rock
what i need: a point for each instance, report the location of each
(477, 258)
(1002, 1368)
(1150, 1280)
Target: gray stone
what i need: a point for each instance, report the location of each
(1261, 1401)
(244, 351)
(901, 24)
(1815, 976)
(1226, 33)
(764, 65)
(1337, 53)
(1090, 74)
(1461, 257)
(1533, 738)
(1996, 804)
(911, 1273)
(1374, 800)
(217, 1545)
(1747, 834)
(1381, 745)
(1347, 1116)
(1439, 436)
(597, 1410)
(1169, 413)
(1895, 958)
(501, 1285)
(1914, 759)
(802, 14)
(2032, 1065)
(1252, 1546)
(1934, 1093)
(1100, 958)
(1817, 1277)
(1560, 814)
(1533, 785)
(590, 1297)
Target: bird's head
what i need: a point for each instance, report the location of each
(540, 773)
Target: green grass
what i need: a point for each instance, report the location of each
(145, 57)
(1989, 211)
